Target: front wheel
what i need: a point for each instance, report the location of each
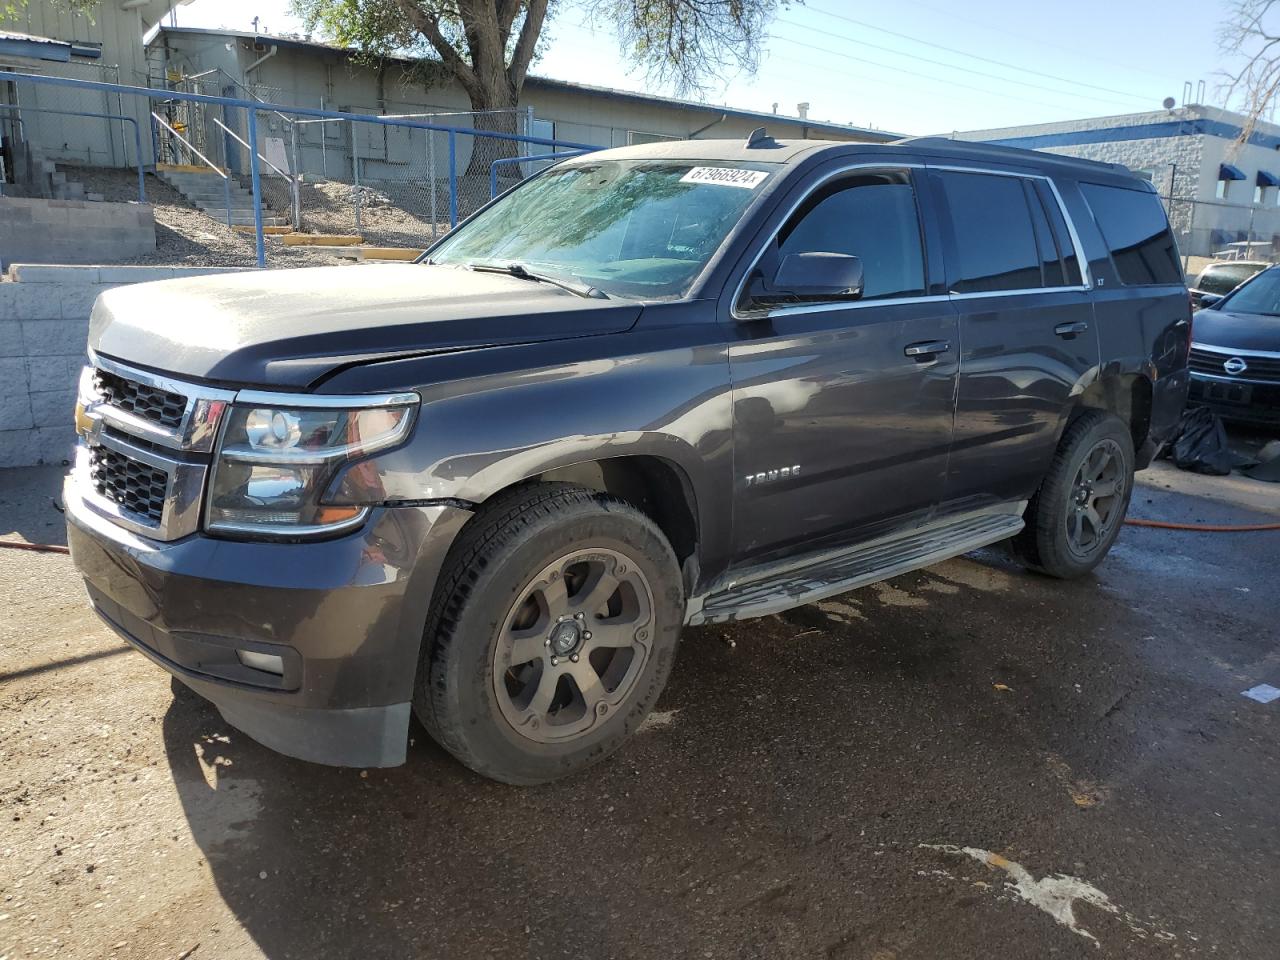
(552, 633)
(1076, 515)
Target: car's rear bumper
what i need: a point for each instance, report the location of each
(1237, 400)
(344, 616)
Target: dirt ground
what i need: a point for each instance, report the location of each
(969, 761)
(185, 235)
(329, 207)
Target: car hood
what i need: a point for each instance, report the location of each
(288, 328)
(1236, 331)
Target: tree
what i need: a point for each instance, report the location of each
(1250, 39)
(486, 46)
(12, 9)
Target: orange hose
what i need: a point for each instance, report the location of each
(34, 547)
(1204, 527)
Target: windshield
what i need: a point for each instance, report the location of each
(631, 228)
(1259, 295)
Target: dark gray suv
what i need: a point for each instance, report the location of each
(682, 383)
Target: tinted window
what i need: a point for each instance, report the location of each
(1050, 257)
(1134, 226)
(872, 217)
(1070, 263)
(995, 238)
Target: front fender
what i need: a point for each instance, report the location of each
(481, 430)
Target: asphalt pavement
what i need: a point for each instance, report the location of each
(969, 761)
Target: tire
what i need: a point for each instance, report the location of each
(534, 568)
(1061, 538)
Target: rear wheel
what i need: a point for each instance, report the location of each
(1076, 515)
(553, 632)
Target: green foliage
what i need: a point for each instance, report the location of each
(12, 9)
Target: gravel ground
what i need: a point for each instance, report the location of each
(964, 762)
(328, 207)
(186, 236)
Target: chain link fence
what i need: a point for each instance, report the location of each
(392, 179)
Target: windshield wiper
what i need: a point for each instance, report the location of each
(521, 272)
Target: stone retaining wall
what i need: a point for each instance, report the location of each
(44, 324)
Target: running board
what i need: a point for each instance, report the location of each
(865, 564)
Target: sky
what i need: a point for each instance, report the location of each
(918, 67)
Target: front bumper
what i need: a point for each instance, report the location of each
(345, 617)
(1237, 400)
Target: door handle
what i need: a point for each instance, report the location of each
(927, 350)
(1071, 329)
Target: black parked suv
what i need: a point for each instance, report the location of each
(682, 383)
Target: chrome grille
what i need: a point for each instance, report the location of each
(147, 402)
(1210, 362)
(128, 483)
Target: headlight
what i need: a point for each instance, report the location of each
(274, 460)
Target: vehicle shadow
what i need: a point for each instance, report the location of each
(746, 819)
(31, 504)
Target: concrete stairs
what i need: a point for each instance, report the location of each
(206, 190)
(40, 178)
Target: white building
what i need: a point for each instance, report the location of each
(306, 73)
(105, 45)
(1219, 190)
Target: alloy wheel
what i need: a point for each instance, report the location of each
(573, 645)
(1095, 504)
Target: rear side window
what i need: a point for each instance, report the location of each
(994, 232)
(869, 216)
(1137, 233)
(1224, 278)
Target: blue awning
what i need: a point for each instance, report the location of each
(1266, 179)
(33, 48)
(1228, 172)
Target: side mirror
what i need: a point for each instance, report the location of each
(1209, 299)
(813, 278)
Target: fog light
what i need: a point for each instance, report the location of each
(266, 662)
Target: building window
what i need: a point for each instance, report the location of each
(1226, 174)
(636, 136)
(1223, 186)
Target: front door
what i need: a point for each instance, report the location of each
(842, 411)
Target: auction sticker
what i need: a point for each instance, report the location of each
(726, 177)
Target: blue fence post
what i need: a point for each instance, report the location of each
(493, 179)
(453, 178)
(226, 197)
(142, 174)
(155, 138)
(257, 185)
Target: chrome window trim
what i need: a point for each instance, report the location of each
(1229, 353)
(836, 305)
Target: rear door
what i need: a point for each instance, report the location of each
(842, 411)
(1027, 336)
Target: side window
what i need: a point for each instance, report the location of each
(1070, 263)
(1137, 233)
(995, 237)
(1050, 257)
(869, 216)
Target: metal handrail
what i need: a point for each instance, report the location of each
(226, 178)
(252, 108)
(187, 143)
(137, 133)
(236, 137)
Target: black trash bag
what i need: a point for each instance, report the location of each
(1201, 445)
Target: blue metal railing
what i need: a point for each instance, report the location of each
(507, 161)
(137, 132)
(251, 107)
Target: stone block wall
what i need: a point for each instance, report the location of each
(44, 325)
(74, 231)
